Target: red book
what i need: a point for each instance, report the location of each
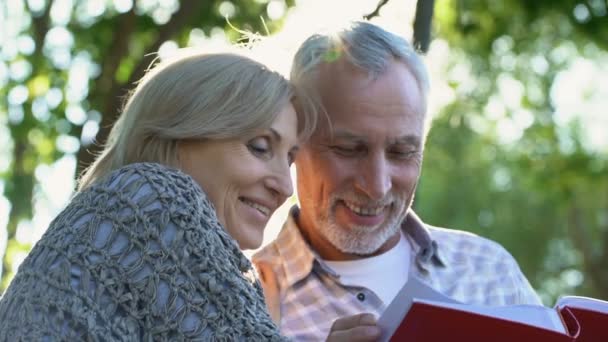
(420, 313)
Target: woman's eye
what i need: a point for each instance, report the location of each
(259, 146)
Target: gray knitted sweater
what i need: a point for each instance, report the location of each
(137, 256)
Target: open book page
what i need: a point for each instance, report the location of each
(585, 303)
(535, 315)
(587, 317)
(396, 310)
(416, 290)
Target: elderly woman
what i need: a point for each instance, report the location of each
(150, 246)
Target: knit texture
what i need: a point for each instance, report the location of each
(138, 256)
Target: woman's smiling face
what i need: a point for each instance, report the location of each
(246, 178)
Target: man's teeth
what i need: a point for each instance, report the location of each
(264, 210)
(366, 211)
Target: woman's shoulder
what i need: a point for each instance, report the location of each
(163, 176)
(150, 182)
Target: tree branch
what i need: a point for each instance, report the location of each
(177, 22)
(376, 12)
(107, 86)
(22, 179)
(118, 50)
(111, 110)
(422, 24)
(41, 26)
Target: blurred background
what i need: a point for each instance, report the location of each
(518, 151)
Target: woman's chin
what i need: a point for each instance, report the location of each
(250, 243)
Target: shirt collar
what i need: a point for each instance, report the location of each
(298, 257)
(296, 254)
(423, 245)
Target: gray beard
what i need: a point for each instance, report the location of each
(359, 240)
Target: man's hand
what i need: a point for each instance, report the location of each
(357, 328)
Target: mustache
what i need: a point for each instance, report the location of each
(363, 200)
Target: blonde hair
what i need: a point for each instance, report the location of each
(195, 96)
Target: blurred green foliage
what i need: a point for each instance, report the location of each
(543, 195)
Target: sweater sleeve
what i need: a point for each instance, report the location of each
(140, 255)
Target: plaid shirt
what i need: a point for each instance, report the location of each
(461, 265)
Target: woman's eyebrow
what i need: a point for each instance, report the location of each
(275, 135)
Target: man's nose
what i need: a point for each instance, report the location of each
(374, 177)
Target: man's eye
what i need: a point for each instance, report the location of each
(403, 154)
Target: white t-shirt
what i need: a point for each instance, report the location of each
(384, 274)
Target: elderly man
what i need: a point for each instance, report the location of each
(353, 242)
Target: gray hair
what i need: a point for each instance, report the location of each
(364, 45)
(195, 96)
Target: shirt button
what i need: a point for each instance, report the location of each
(361, 296)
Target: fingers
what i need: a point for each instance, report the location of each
(367, 333)
(361, 327)
(349, 322)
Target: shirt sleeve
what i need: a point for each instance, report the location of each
(525, 291)
(519, 287)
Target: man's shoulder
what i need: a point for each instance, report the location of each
(269, 255)
(286, 257)
(460, 244)
(287, 244)
(481, 260)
